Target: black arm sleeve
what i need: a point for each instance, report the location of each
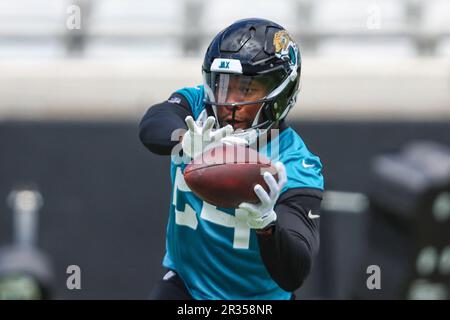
(289, 251)
(160, 121)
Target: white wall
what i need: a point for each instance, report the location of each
(331, 89)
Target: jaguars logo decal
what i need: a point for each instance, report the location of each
(285, 47)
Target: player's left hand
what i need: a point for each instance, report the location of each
(262, 214)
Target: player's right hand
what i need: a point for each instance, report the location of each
(199, 136)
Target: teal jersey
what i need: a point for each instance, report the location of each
(212, 249)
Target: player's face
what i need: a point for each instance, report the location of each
(239, 92)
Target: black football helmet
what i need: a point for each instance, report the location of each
(253, 50)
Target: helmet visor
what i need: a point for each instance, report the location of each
(236, 89)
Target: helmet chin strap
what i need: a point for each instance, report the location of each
(251, 135)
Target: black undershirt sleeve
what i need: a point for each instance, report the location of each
(160, 121)
(289, 251)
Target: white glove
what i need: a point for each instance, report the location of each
(232, 140)
(262, 214)
(198, 137)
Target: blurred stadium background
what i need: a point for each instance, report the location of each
(77, 188)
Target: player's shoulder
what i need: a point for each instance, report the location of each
(194, 97)
(304, 168)
(292, 143)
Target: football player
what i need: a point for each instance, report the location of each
(251, 73)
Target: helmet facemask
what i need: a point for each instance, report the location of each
(235, 91)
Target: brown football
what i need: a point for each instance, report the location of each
(226, 175)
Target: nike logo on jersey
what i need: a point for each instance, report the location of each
(305, 165)
(312, 216)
